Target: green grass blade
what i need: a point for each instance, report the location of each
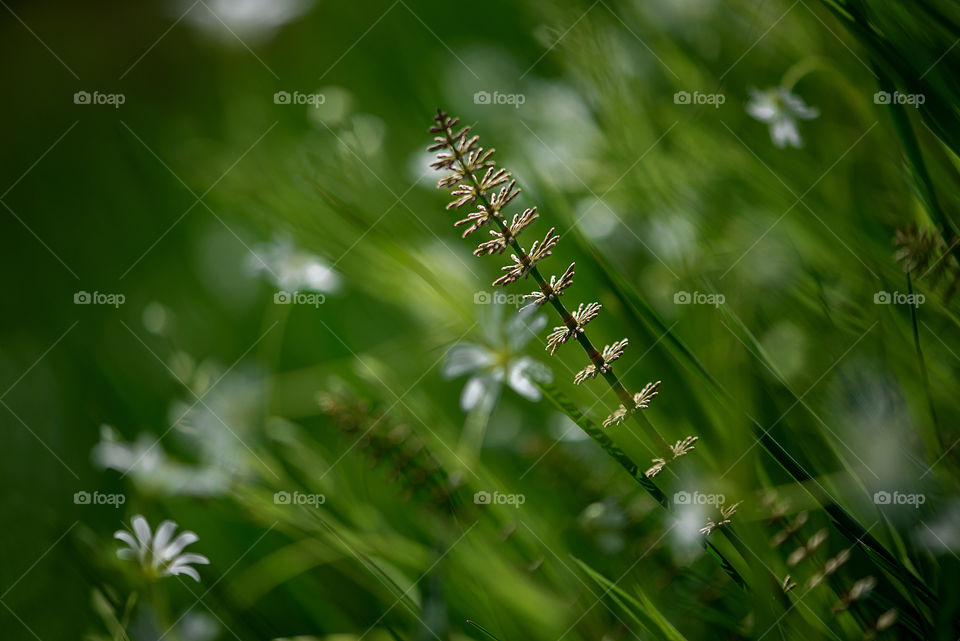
(606, 443)
(482, 629)
(647, 316)
(642, 611)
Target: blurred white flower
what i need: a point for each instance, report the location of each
(225, 428)
(159, 554)
(499, 361)
(156, 318)
(291, 269)
(231, 20)
(781, 109)
(220, 432)
(420, 171)
(152, 470)
(198, 626)
(597, 218)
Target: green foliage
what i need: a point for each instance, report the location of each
(319, 447)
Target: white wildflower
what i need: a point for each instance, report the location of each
(158, 553)
(781, 109)
(497, 362)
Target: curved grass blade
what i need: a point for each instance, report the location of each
(607, 445)
(642, 611)
(483, 630)
(648, 317)
(843, 521)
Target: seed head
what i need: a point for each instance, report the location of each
(658, 464)
(617, 417)
(612, 353)
(500, 239)
(554, 288)
(805, 550)
(588, 372)
(641, 400)
(788, 584)
(684, 446)
(563, 333)
(725, 514)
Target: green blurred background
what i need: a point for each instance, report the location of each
(203, 195)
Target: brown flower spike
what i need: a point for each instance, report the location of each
(487, 190)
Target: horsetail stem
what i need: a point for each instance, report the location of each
(466, 159)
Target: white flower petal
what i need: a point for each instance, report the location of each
(185, 559)
(797, 106)
(519, 382)
(142, 529)
(476, 390)
(524, 327)
(762, 106)
(127, 554)
(466, 358)
(185, 569)
(127, 538)
(492, 324)
(162, 536)
(536, 325)
(183, 540)
(784, 132)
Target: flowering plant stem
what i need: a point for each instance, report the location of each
(592, 353)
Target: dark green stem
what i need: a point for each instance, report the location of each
(613, 450)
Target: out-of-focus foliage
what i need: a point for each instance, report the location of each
(232, 293)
